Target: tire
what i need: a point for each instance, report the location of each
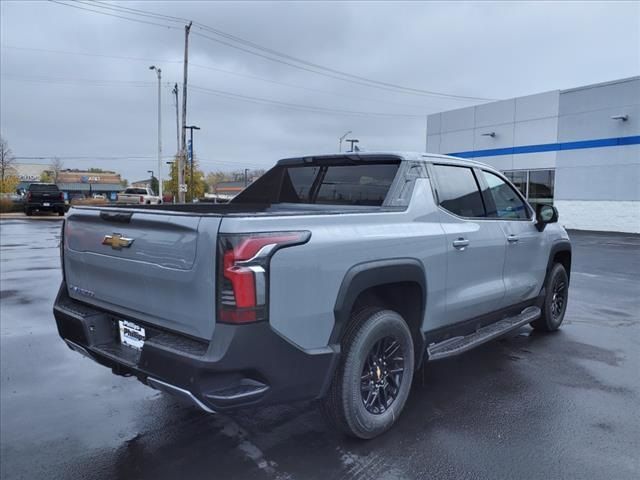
(28, 212)
(351, 403)
(555, 302)
(61, 213)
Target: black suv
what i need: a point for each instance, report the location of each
(44, 197)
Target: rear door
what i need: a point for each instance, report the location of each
(154, 267)
(525, 260)
(475, 245)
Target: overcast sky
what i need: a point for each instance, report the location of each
(64, 94)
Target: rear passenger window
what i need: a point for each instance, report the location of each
(458, 191)
(506, 202)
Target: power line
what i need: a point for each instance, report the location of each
(113, 15)
(77, 81)
(87, 54)
(277, 53)
(215, 69)
(221, 93)
(102, 158)
(304, 64)
(300, 106)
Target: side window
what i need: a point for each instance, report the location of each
(458, 191)
(507, 203)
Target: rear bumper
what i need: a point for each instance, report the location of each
(243, 365)
(53, 207)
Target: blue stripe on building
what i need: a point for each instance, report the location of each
(550, 147)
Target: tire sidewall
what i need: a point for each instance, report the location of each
(556, 272)
(377, 326)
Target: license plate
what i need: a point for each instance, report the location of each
(46, 204)
(131, 335)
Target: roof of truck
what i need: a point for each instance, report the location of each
(415, 156)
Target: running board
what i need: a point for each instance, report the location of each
(458, 345)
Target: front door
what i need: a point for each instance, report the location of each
(525, 262)
(475, 246)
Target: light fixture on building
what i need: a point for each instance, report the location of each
(489, 134)
(624, 118)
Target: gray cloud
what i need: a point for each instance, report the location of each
(54, 104)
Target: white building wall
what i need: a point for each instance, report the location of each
(599, 188)
(595, 188)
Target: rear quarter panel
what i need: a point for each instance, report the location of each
(305, 279)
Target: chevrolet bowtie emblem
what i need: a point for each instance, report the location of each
(117, 241)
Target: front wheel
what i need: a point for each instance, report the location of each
(373, 379)
(555, 300)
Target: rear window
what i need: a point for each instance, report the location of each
(136, 191)
(458, 191)
(334, 184)
(43, 187)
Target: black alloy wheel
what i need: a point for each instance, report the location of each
(382, 375)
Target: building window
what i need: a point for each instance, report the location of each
(541, 184)
(536, 185)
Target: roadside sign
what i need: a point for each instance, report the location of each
(183, 187)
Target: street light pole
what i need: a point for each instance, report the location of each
(159, 74)
(151, 172)
(341, 139)
(191, 128)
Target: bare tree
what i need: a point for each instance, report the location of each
(8, 179)
(6, 160)
(55, 167)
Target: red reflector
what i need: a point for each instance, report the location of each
(237, 316)
(244, 286)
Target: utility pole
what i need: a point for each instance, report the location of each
(159, 73)
(175, 93)
(191, 129)
(183, 145)
(246, 178)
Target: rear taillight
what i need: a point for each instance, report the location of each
(243, 273)
(141, 199)
(62, 196)
(29, 195)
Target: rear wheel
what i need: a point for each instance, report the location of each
(61, 213)
(555, 302)
(373, 379)
(28, 212)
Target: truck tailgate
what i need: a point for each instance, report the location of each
(152, 267)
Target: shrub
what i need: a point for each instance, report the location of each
(7, 205)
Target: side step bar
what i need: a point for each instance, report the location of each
(458, 345)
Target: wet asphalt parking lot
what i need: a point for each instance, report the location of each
(565, 405)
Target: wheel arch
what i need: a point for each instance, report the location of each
(398, 284)
(560, 253)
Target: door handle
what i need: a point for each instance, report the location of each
(461, 243)
(512, 238)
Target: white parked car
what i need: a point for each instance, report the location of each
(138, 196)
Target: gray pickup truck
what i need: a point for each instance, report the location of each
(331, 277)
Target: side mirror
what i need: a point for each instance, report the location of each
(545, 214)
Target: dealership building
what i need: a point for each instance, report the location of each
(578, 149)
